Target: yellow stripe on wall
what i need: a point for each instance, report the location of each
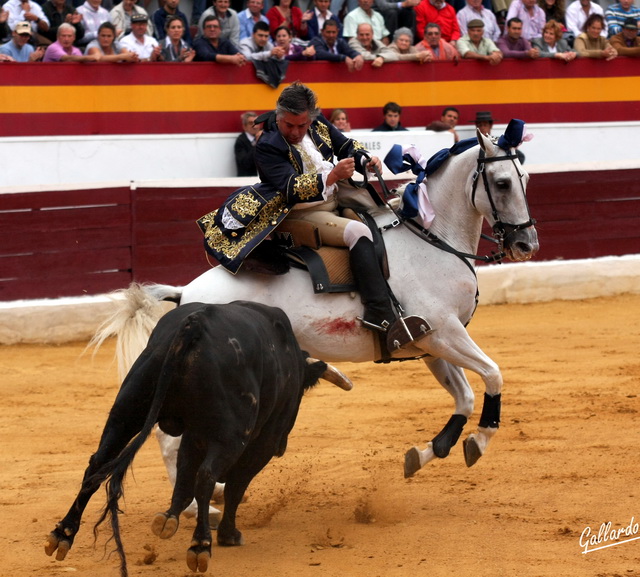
(239, 97)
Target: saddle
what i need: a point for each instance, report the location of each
(328, 266)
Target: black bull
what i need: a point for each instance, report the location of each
(229, 379)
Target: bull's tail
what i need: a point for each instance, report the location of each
(137, 312)
(114, 472)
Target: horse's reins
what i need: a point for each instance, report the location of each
(500, 229)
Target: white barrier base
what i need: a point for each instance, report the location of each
(76, 319)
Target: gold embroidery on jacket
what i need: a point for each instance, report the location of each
(293, 160)
(232, 247)
(323, 132)
(306, 186)
(245, 205)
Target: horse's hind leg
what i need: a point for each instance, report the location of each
(189, 460)
(169, 447)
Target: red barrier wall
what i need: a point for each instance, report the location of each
(80, 242)
(40, 99)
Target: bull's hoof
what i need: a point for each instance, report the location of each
(164, 526)
(472, 451)
(198, 557)
(412, 462)
(232, 538)
(55, 542)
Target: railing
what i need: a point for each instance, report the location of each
(39, 99)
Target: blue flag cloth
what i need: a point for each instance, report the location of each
(513, 135)
(415, 200)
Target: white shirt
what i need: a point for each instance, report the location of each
(575, 17)
(91, 20)
(313, 162)
(142, 49)
(16, 13)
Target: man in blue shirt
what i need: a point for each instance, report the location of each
(160, 16)
(19, 48)
(210, 48)
(329, 47)
(249, 16)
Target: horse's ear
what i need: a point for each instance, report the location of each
(485, 143)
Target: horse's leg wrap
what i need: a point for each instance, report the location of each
(448, 437)
(490, 411)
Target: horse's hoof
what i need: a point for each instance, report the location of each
(218, 494)
(198, 559)
(164, 526)
(215, 517)
(472, 451)
(412, 462)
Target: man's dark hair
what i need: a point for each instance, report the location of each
(329, 24)
(432, 25)
(298, 99)
(210, 18)
(452, 109)
(512, 20)
(260, 25)
(392, 107)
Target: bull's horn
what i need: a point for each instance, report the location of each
(334, 376)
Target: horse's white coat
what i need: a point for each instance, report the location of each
(426, 280)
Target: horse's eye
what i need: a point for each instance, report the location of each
(503, 184)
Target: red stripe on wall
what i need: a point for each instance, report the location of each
(361, 118)
(105, 74)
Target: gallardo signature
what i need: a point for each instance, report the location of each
(590, 541)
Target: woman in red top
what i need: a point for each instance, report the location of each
(284, 13)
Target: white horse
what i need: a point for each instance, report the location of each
(431, 274)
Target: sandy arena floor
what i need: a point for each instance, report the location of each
(337, 505)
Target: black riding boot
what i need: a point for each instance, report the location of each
(379, 313)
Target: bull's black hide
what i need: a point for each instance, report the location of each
(229, 379)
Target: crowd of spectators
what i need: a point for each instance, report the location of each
(269, 33)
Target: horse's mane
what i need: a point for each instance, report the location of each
(440, 157)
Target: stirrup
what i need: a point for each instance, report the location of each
(383, 327)
(406, 330)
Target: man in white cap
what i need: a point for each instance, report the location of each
(19, 48)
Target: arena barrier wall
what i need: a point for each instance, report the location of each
(88, 241)
(76, 319)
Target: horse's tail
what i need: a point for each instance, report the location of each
(138, 310)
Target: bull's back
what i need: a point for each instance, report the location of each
(240, 360)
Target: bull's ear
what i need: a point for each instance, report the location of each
(486, 144)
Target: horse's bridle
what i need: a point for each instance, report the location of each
(501, 230)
